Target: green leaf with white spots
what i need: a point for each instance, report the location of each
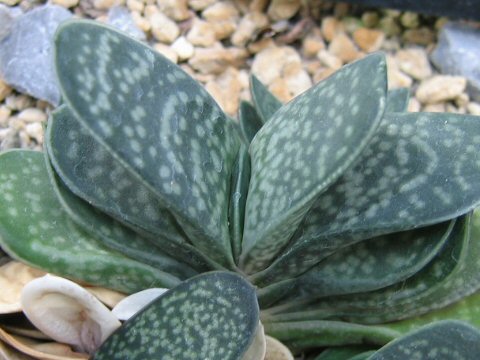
(369, 265)
(93, 174)
(35, 230)
(238, 198)
(397, 100)
(304, 335)
(444, 340)
(211, 316)
(158, 122)
(113, 234)
(419, 169)
(265, 102)
(249, 120)
(303, 149)
(342, 353)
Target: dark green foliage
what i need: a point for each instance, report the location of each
(346, 212)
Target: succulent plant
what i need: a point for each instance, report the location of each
(337, 219)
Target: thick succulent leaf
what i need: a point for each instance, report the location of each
(250, 121)
(303, 335)
(158, 121)
(265, 102)
(93, 174)
(238, 198)
(369, 265)
(303, 149)
(211, 316)
(397, 100)
(445, 340)
(419, 169)
(35, 230)
(342, 353)
(113, 234)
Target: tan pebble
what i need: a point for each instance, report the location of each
(474, 108)
(369, 40)
(258, 5)
(248, 25)
(9, 2)
(396, 78)
(276, 350)
(136, 5)
(5, 113)
(183, 48)
(453, 109)
(245, 95)
(150, 10)
(391, 45)
(441, 22)
(421, 36)
(260, 45)
(341, 9)
(313, 66)
(216, 60)
(343, 47)
(65, 3)
(223, 17)
(163, 28)
(174, 9)
(142, 23)
(322, 74)
(331, 27)
(313, 43)
(32, 115)
(392, 13)
(390, 26)
(410, 20)
(5, 90)
(462, 100)
(437, 108)
(413, 105)
(279, 88)
(199, 5)
(414, 62)
(43, 105)
(351, 24)
(283, 9)
(244, 78)
(440, 88)
(106, 4)
(370, 19)
(226, 90)
(166, 51)
(18, 102)
(35, 131)
(329, 60)
(271, 63)
(298, 82)
(202, 33)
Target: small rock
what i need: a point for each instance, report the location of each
(226, 90)
(390, 26)
(5, 90)
(344, 48)
(26, 55)
(65, 3)
(279, 88)
(10, 2)
(166, 51)
(313, 43)
(329, 60)
(18, 102)
(368, 40)
(458, 52)
(322, 74)
(248, 26)
(462, 100)
(453, 109)
(440, 88)
(414, 62)
(163, 28)
(142, 23)
(183, 48)
(297, 82)
(174, 9)
(271, 63)
(473, 108)
(106, 4)
(35, 131)
(410, 20)
(5, 113)
(331, 27)
(370, 19)
(202, 33)
(260, 45)
(421, 36)
(413, 105)
(32, 115)
(119, 17)
(223, 18)
(136, 5)
(199, 5)
(351, 24)
(436, 108)
(283, 9)
(396, 78)
(258, 5)
(216, 60)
